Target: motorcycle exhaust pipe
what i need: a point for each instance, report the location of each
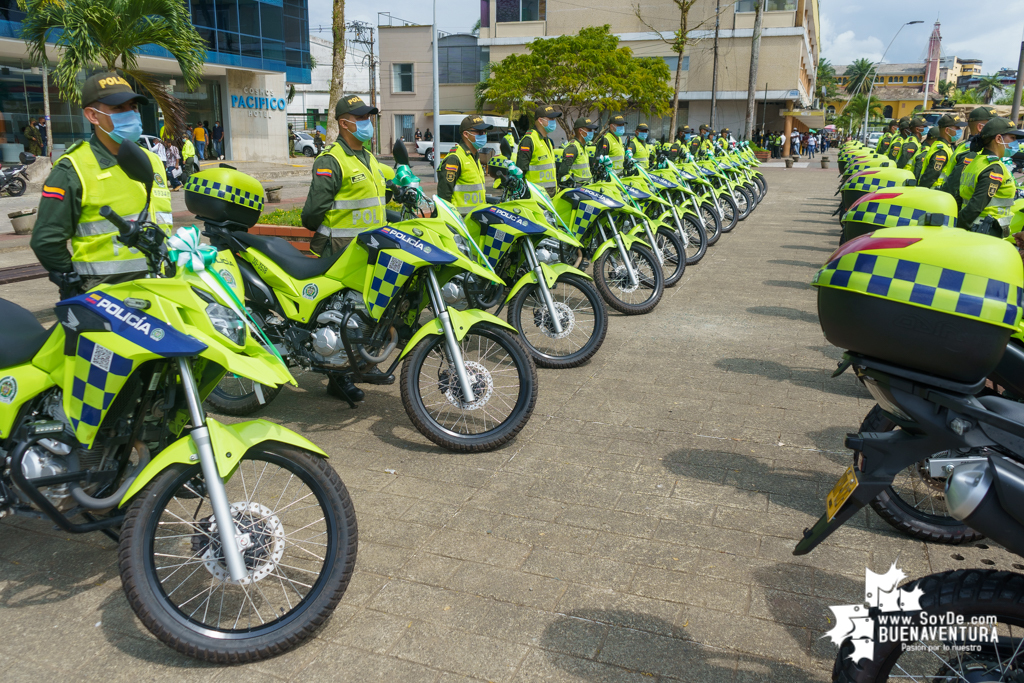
(987, 497)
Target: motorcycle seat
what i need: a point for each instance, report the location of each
(21, 335)
(1011, 410)
(291, 260)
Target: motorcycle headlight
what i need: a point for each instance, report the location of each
(227, 322)
(551, 218)
(462, 244)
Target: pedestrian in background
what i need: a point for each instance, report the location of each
(417, 135)
(41, 127)
(218, 140)
(33, 145)
(812, 142)
(172, 161)
(199, 137)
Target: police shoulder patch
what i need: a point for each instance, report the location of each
(992, 188)
(450, 176)
(939, 163)
(453, 166)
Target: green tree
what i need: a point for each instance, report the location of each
(108, 34)
(947, 88)
(989, 87)
(827, 79)
(860, 74)
(1007, 97)
(579, 73)
(968, 96)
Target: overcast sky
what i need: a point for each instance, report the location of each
(850, 28)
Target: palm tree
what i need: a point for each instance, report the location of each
(108, 34)
(859, 76)
(988, 87)
(946, 88)
(968, 96)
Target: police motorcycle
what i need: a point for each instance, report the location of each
(717, 213)
(925, 315)
(742, 163)
(467, 384)
(686, 207)
(725, 193)
(562, 320)
(750, 165)
(235, 541)
(14, 179)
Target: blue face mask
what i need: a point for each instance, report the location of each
(550, 127)
(641, 136)
(364, 130)
(588, 136)
(1012, 148)
(127, 126)
(479, 141)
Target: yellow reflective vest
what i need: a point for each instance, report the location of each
(542, 163)
(616, 152)
(1000, 204)
(642, 153)
(468, 194)
(359, 204)
(95, 250)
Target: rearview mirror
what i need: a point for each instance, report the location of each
(135, 163)
(401, 154)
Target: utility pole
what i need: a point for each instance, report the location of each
(714, 68)
(764, 114)
(364, 36)
(755, 56)
(1015, 112)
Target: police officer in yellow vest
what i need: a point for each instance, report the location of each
(887, 137)
(642, 151)
(962, 155)
(86, 179)
(987, 187)
(916, 165)
(697, 140)
(460, 177)
(347, 195)
(575, 166)
(896, 144)
(609, 144)
(947, 128)
(536, 155)
(911, 143)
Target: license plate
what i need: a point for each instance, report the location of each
(840, 493)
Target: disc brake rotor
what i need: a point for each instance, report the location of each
(479, 377)
(261, 543)
(621, 278)
(542, 319)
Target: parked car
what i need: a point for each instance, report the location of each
(303, 144)
(873, 139)
(147, 141)
(449, 127)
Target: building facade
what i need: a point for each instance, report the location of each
(254, 48)
(311, 105)
(900, 89)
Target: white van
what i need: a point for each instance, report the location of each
(449, 125)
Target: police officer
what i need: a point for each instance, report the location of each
(347, 193)
(887, 136)
(640, 148)
(896, 144)
(575, 165)
(610, 143)
(987, 187)
(962, 155)
(916, 164)
(946, 129)
(706, 148)
(681, 144)
(88, 178)
(696, 140)
(460, 177)
(722, 142)
(536, 155)
(911, 142)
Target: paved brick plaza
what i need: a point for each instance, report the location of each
(639, 529)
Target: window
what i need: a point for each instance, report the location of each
(521, 10)
(449, 134)
(403, 78)
(674, 60)
(485, 63)
(830, 110)
(404, 124)
(770, 5)
(887, 112)
(458, 59)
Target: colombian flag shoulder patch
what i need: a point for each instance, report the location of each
(324, 172)
(53, 192)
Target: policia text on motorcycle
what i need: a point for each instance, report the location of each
(86, 179)
(987, 187)
(460, 177)
(347, 193)
(575, 165)
(535, 155)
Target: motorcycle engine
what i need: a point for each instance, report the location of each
(327, 341)
(547, 251)
(453, 293)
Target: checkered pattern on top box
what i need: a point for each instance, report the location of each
(389, 274)
(583, 216)
(868, 183)
(99, 375)
(889, 215)
(225, 192)
(940, 289)
(494, 243)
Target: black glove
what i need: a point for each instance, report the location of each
(69, 284)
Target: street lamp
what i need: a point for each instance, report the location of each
(867, 108)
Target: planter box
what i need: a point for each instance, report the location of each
(762, 156)
(298, 237)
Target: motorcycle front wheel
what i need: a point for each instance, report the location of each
(674, 254)
(612, 280)
(730, 212)
(744, 203)
(712, 222)
(696, 239)
(582, 316)
(299, 524)
(504, 382)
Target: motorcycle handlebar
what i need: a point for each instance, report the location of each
(121, 224)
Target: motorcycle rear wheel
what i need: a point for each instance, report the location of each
(433, 398)
(583, 312)
(174, 574)
(16, 187)
(236, 396)
(613, 284)
(914, 503)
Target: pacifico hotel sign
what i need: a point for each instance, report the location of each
(259, 102)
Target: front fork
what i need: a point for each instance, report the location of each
(542, 284)
(623, 254)
(454, 350)
(654, 242)
(232, 543)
